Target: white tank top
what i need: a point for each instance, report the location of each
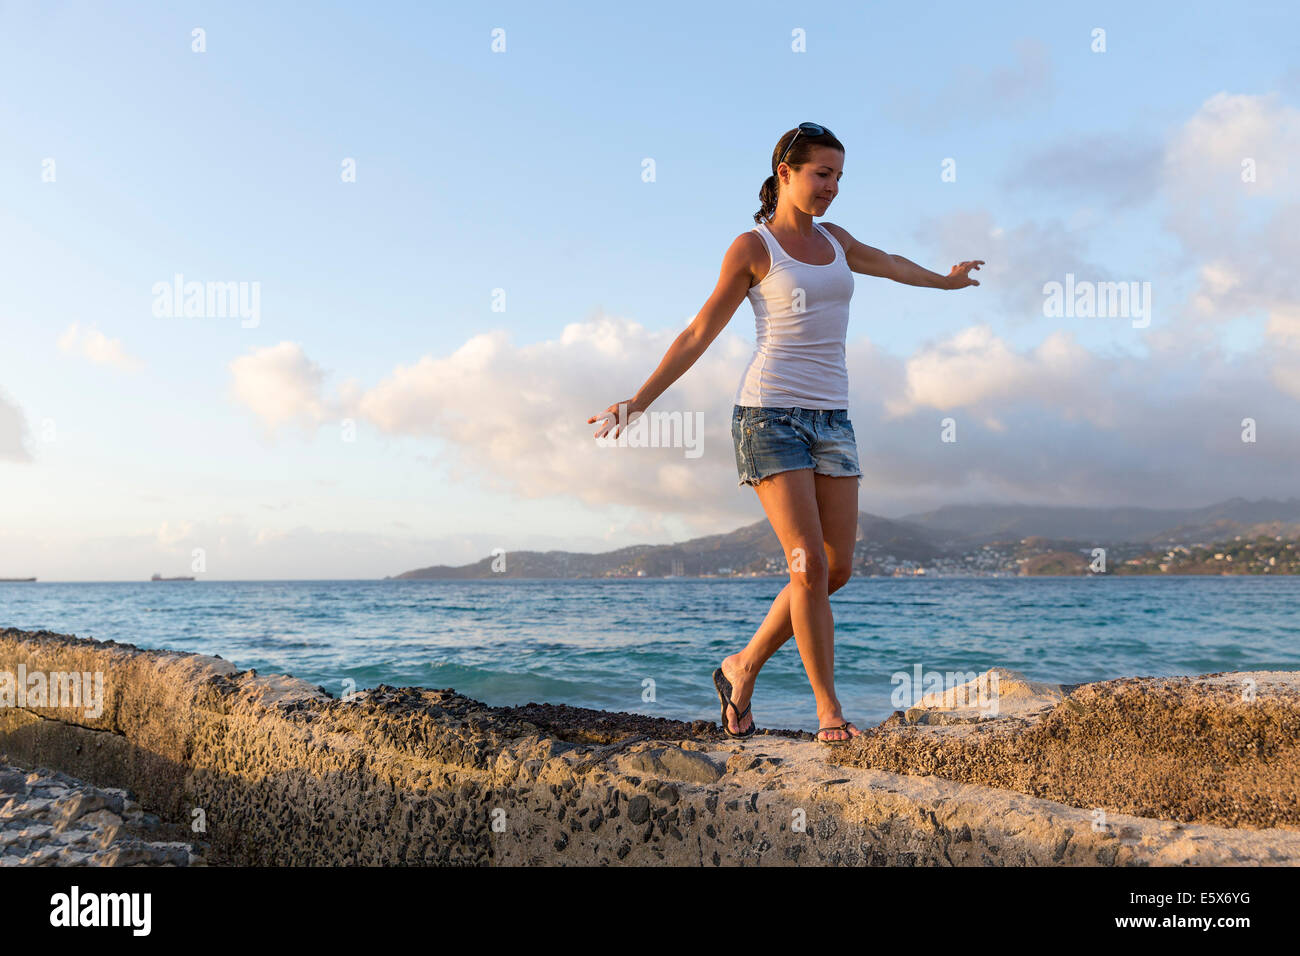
(799, 336)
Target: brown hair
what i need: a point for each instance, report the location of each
(800, 154)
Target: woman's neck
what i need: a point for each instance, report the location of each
(794, 221)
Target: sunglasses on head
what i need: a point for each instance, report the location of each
(811, 129)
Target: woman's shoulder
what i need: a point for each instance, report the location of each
(757, 254)
(839, 232)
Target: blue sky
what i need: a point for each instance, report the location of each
(127, 440)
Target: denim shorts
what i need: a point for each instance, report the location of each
(770, 440)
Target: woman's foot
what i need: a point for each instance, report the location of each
(742, 687)
(831, 729)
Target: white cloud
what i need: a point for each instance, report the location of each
(1283, 333)
(94, 346)
(1052, 423)
(1018, 260)
(1219, 277)
(1243, 236)
(280, 385)
(1246, 235)
(1284, 326)
(169, 535)
(13, 431)
(516, 415)
(976, 369)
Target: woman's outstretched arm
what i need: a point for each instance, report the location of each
(694, 340)
(871, 261)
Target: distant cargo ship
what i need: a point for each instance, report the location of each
(159, 577)
(2, 580)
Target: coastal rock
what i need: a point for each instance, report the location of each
(272, 771)
(694, 767)
(84, 827)
(638, 809)
(998, 692)
(1218, 748)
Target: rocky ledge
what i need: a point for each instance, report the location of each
(50, 819)
(272, 770)
(1218, 748)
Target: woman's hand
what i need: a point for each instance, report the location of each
(959, 278)
(610, 417)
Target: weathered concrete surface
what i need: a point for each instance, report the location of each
(284, 774)
(1219, 748)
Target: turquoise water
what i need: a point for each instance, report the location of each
(593, 643)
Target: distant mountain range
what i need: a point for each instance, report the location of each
(961, 526)
(972, 538)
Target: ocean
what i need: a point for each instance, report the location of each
(649, 646)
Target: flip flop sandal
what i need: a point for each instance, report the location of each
(834, 743)
(724, 694)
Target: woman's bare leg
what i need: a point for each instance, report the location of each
(786, 497)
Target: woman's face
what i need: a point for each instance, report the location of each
(813, 185)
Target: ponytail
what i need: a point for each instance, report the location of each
(767, 194)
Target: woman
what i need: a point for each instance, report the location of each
(793, 439)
